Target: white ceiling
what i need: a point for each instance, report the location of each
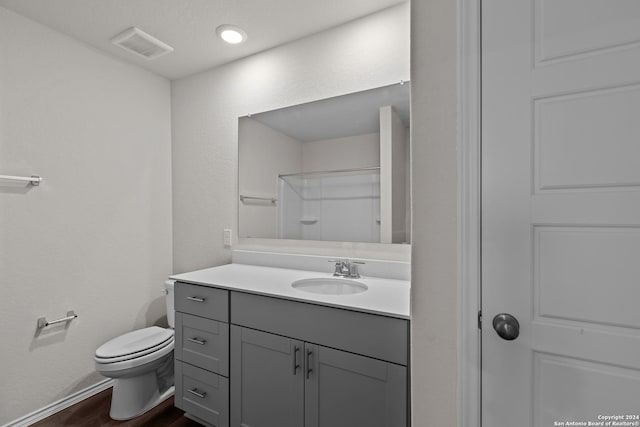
(189, 26)
(342, 116)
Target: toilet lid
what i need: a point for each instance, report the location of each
(140, 341)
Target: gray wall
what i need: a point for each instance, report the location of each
(96, 235)
(363, 54)
(434, 308)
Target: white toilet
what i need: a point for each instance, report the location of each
(141, 364)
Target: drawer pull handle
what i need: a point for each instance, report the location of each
(196, 299)
(198, 393)
(296, 349)
(309, 369)
(197, 341)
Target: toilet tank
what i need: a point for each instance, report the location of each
(171, 314)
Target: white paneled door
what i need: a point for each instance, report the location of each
(561, 212)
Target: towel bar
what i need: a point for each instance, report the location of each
(42, 321)
(33, 179)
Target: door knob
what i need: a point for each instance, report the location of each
(506, 326)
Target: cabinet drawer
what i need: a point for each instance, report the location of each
(381, 337)
(203, 394)
(203, 343)
(202, 301)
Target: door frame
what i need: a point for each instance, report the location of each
(469, 212)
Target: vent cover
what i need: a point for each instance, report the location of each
(136, 41)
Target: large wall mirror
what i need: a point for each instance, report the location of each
(336, 169)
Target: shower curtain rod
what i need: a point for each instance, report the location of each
(331, 171)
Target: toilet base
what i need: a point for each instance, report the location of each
(134, 396)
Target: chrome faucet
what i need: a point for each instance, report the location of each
(346, 268)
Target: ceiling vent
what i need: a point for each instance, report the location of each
(138, 42)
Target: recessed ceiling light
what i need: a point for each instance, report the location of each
(231, 34)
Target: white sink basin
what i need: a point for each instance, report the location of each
(330, 286)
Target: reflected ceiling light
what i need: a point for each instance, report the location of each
(231, 34)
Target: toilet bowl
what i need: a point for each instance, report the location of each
(141, 365)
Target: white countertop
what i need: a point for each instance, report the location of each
(387, 297)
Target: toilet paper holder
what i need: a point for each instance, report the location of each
(42, 321)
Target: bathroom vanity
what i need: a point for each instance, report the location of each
(252, 350)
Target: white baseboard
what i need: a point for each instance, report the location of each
(61, 404)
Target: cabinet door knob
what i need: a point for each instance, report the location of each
(309, 369)
(196, 299)
(296, 349)
(197, 341)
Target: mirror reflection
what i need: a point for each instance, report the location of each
(335, 169)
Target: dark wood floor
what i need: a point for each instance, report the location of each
(94, 411)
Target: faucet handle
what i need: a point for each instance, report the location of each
(353, 269)
(339, 265)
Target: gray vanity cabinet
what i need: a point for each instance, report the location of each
(281, 382)
(267, 380)
(280, 348)
(246, 360)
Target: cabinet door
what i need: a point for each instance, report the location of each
(267, 380)
(346, 390)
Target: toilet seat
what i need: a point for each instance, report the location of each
(133, 345)
(135, 365)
